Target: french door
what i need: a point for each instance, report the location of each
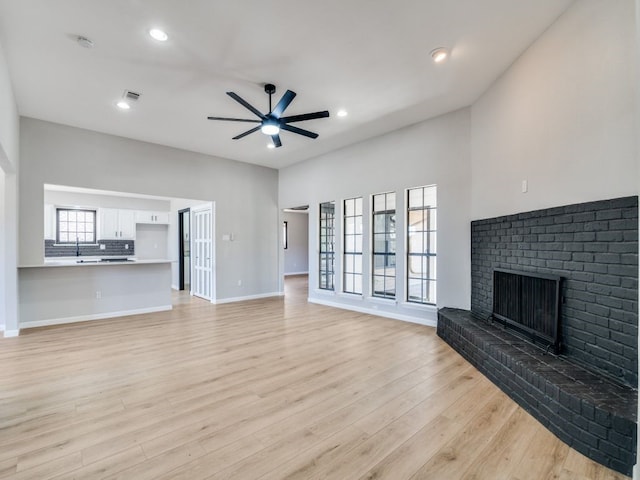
(202, 249)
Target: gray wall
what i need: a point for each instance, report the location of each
(245, 195)
(296, 256)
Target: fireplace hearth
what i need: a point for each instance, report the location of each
(582, 382)
(589, 412)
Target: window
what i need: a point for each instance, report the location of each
(327, 245)
(352, 266)
(75, 226)
(421, 245)
(285, 235)
(384, 245)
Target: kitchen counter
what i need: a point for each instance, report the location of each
(93, 261)
(63, 290)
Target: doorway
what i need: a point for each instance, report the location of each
(184, 246)
(295, 245)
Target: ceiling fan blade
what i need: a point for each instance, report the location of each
(284, 102)
(299, 131)
(245, 104)
(233, 119)
(238, 137)
(305, 116)
(276, 140)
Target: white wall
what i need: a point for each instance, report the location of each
(562, 117)
(296, 255)
(245, 195)
(432, 152)
(152, 241)
(9, 162)
(62, 198)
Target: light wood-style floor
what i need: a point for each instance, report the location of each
(267, 389)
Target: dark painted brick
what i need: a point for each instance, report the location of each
(598, 226)
(625, 224)
(607, 258)
(612, 280)
(610, 236)
(623, 270)
(608, 214)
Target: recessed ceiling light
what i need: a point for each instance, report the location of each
(342, 113)
(123, 105)
(158, 34)
(439, 54)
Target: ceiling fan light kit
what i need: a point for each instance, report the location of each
(273, 122)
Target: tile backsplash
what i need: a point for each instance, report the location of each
(117, 248)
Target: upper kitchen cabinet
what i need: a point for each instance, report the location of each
(145, 216)
(116, 224)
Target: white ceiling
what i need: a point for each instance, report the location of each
(370, 57)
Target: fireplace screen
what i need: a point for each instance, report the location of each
(529, 303)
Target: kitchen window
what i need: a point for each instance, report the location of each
(75, 226)
(421, 245)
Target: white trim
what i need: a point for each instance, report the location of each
(11, 333)
(248, 297)
(97, 316)
(296, 273)
(429, 322)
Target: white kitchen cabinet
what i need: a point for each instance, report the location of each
(148, 216)
(49, 222)
(116, 224)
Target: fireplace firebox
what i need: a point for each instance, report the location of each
(529, 304)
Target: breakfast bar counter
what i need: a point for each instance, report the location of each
(79, 289)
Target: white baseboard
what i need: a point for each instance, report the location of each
(11, 333)
(296, 273)
(429, 322)
(248, 297)
(98, 316)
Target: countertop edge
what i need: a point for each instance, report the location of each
(95, 264)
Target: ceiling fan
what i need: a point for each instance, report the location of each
(271, 123)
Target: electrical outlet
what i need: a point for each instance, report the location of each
(103, 246)
(126, 246)
(239, 283)
(98, 294)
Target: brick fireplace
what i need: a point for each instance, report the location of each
(587, 395)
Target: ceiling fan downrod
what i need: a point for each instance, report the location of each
(270, 89)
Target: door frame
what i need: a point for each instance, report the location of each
(181, 214)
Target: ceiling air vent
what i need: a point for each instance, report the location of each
(131, 96)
